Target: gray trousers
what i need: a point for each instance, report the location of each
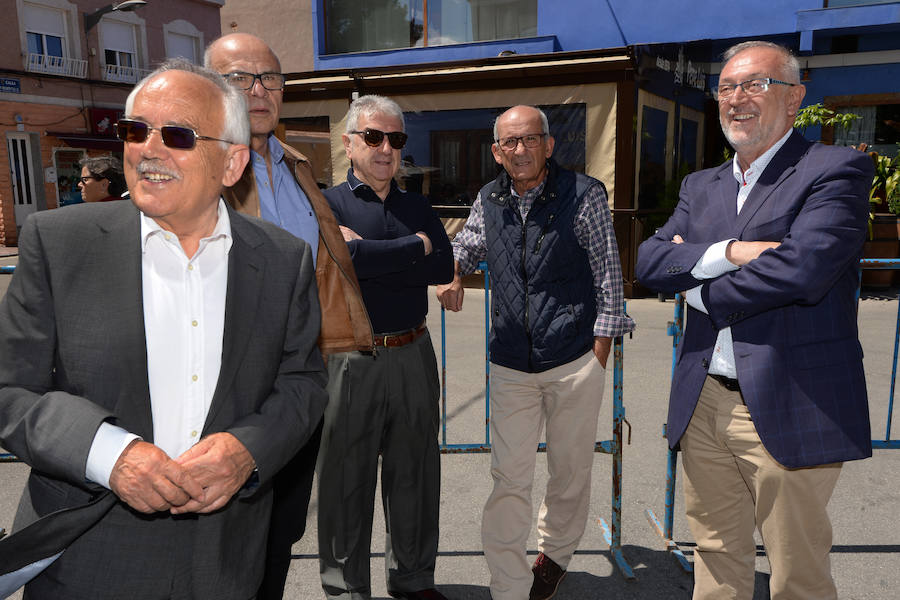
(387, 404)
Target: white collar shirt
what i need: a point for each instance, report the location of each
(713, 262)
(184, 321)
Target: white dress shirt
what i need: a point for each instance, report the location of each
(713, 262)
(184, 321)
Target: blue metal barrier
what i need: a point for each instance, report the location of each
(882, 264)
(612, 533)
(676, 330)
(7, 458)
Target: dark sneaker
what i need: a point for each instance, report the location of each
(429, 594)
(547, 577)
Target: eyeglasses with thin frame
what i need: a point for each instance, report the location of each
(374, 138)
(244, 81)
(531, 140)
(751, 87)
(84, 180)
(173, 136)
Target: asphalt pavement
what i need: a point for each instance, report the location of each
(864, 509)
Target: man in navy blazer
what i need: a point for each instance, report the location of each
(768, 396)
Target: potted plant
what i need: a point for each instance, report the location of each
(884, 218)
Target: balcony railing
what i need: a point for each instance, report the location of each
(123, 74)
(57, 65)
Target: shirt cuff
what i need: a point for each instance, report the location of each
(695, 299)
(612, 325)
(109, 443)
(713, 262)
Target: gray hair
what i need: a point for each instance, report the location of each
(370, 105)
(790, 66)
(236, 128)
(106, 167)
(545, 125)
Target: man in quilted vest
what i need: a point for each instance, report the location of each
(557, 302)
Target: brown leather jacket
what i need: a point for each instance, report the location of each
(345, 322)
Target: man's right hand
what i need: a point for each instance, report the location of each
(740, 253)
(451, 295)
(149, 481)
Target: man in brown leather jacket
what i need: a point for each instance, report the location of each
(278, 186)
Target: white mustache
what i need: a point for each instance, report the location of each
(152, 166)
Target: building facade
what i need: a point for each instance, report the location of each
(625, 84)
(66, 68)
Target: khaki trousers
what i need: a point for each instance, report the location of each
(732, 485)
(568, 398)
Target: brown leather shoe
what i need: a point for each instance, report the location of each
(547, 577)
(429, 594)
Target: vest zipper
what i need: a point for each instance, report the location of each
(527, 316)
(537, 246)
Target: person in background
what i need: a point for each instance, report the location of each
(101, 179)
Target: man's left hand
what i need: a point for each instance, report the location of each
(349, 234)
(602, 346)
(221, 464)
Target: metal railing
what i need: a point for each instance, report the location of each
(56, 65)
(123, 74)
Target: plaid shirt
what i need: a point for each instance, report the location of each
(594, 230)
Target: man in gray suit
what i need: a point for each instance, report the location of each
(158, 359)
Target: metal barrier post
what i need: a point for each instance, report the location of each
(487, 353)
(676, 330)
(613, 532)
(883, 264)
(7, 458)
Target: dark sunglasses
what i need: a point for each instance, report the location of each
(173, 136)
(374, 138)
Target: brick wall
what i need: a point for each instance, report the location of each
(37, 118)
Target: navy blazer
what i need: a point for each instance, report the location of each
(792, 311)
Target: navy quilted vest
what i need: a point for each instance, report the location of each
(543, 304)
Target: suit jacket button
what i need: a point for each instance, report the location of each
(705, 363)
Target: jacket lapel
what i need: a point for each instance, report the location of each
(723, 196)
(245, 272)
(117, 256)
(782, 166)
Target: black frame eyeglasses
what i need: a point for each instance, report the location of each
(245, 81)
(751, 87)
(374, 138)
(173, 136)
(530, 140)
(84, 180)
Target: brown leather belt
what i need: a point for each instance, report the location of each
(394, 340)
(728, 383)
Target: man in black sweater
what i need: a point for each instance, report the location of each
(384, 401)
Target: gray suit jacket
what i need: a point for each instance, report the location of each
(73, 354)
